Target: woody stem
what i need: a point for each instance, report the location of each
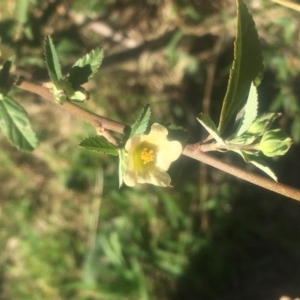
(195, 151)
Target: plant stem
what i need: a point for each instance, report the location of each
(195, 151)
(90, 117)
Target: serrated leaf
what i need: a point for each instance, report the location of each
(15, 125)
(86, 67)
(52, 62)
(250, 111)
(4, 73)
(99, 144)
(122, 165)
(141, 124)
(258, 162)
(247, 66)
(210, 127)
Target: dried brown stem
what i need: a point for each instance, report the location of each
(194, 151)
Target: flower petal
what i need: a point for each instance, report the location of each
(168, 153)
(158, 130)
(155, 176)
(160, 178)
(130, 178)
(153, 171)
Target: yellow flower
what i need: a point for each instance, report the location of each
(150, 156)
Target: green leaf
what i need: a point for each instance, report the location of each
(257, 161)
(141, 124)
(247, 66)
(52, 61)
(210, 126)
(123, 155)
(15, 125)
(86, 67)
(249, 110)
(4, 73)
(99, 144)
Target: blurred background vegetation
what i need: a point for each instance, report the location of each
(68, 232)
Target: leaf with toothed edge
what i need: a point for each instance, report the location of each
(247, 66)
(86, 67)
(141, 124)
(52, 62)
(99, 144)
(15, 125)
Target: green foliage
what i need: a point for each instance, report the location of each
(141, 124)
(86, 67)
(69, 234)
(15, 125)
(69, 88)
(252, 135)
(144, 239)
(258, 138)
(257, 161)
(211, 128)
(99, 144)
(5, 75)
(249, 112)
(52, 62)
(247, 66)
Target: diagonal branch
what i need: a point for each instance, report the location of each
(90, 117)
(195, 151)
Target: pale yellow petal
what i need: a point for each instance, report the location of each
(155, 176)
(168, 153)
(132, 142)
(130, 178)
(158, 130)
(160, 178)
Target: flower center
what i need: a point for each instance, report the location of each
(144, 156)
(147, 155)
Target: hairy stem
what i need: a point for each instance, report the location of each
(195, 151)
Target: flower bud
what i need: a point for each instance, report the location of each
(275, 142)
